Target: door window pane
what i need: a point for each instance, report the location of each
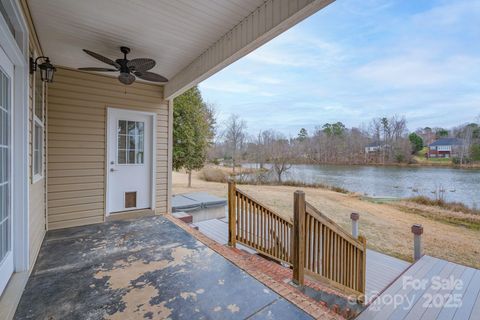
(130, 142)
(5, 245)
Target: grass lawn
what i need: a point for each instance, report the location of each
(386, 226)
(420, 158)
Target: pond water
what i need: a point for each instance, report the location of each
(460, 185)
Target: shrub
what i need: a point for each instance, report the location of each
(475, 152)
(458, 161)
(454, 206)
(212, 174)
(291, 183)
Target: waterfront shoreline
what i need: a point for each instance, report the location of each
(386, 226)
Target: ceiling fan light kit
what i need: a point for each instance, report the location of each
(129, 69)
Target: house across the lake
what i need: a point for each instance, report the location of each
(444, 148)
(375, 146)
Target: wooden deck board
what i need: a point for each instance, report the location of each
(429, 301)
(217, 229)
(469, 299)
(432, 313)
(382, 270)
(476, 308)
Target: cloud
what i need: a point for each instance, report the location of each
(297, 49)
(230, 87)
(378, 58)
(366, 7)
(414, 71)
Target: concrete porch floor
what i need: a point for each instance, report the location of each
(147, 268)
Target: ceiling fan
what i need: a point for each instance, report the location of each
(128, 68)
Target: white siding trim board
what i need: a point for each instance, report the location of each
(265, 23)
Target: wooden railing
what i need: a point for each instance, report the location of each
(333, 255)
(313, 244)
(258, 227)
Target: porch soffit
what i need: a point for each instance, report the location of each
(190, 40)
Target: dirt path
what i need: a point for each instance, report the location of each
(386, 227)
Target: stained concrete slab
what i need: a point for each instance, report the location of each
(279, 309)
(146, 268)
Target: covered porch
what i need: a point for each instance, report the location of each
(147, 268)
(69, 146)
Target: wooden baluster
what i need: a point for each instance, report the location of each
(275, 239)
(240, 198)
(364, 268)
(317, 245)
(266, 229)
(239, 217)
(337, 258)
(269, 232)
(317, 249)
(342, 261)
(244, 215)
(257, 230)
(247, 222)
(328, 253)
(335, 255)
(279, 224)
(250, 225)
(262, 228)
(308, 243)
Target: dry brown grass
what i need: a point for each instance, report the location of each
(452, 206)
(386, 226)
(213, 174)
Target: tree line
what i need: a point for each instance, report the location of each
(197, 138)
(334, 143)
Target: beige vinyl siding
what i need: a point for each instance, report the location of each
(77, 111)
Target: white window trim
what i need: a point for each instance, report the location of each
(18, 54)
(36, 120)
(37, 176)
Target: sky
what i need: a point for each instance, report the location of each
(356, 60)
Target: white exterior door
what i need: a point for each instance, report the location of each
(129, 160)
(6, 234)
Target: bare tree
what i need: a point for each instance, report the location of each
(280, 152)
(235, 137)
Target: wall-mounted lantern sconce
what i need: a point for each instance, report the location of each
(47, 70)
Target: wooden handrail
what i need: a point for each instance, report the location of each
(334, 256)
(240, 191)
(310, 209)
(255, 225)
(313, 244)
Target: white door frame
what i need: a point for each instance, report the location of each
(153, 170)
(16, 50)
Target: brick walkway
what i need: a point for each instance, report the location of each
(272, 275)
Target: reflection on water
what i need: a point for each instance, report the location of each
(459, 185)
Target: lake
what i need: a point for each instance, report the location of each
(460, 185)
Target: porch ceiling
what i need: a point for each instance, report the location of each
(171, 32)
(189, 39)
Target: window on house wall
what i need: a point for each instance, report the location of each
(38, 125)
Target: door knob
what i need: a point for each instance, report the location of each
(111, 170)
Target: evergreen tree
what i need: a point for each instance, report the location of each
(302, 135)
(416, 141)
(193, 129)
